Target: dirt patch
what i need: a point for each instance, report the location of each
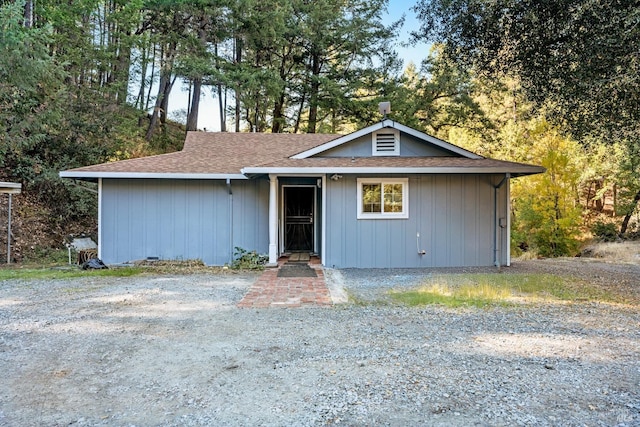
(174, 350)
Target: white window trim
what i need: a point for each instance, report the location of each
(384, 215)
(374, 145)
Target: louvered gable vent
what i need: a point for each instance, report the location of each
(386, 143)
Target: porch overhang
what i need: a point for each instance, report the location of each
(319, 171)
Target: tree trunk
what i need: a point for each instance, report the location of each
(123, 65)
(238, 59)
(296, 128)
(28, 14)
(155, 116)
(598, 201)
(165, 100)
(278, 116)
(278, 108)
(194, 108)
(627, 217)
(143, 79)
(314, 93)
(151, 78)
(189, 95)
(589, 195)
(222, 104)
(164, 89)
(256, 125)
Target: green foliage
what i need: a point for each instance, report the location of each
(248, 260)
(308, 66)
(546, 214)
(605, 231)
(436, 98)
(323, 66)
(629, 181)
(576, 60)
(42, 256)
(563, 51)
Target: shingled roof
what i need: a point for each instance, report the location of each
(219, 155)
(212, 153)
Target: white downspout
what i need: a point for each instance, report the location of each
(273, 221)
(9, 232)
(230, 221)
(100, 218)
(323, 231)
(509, 220)
(496, 225)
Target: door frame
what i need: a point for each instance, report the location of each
(281, 216)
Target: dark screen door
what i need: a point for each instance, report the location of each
(298, 218)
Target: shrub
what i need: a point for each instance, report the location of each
(605, 231)
(251, 260)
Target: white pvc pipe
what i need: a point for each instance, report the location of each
(9, 232)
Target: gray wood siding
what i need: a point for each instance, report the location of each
(251, 215)
(181, 219)
(452, 213)
(409, 147)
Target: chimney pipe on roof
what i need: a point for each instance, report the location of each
(384, 108)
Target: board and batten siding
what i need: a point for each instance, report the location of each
(182, 219)
(409, 147)
(454, 215)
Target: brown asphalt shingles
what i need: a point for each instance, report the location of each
(227, 153)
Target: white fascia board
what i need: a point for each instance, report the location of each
(339, 141)
(150, 175)
(375, 170)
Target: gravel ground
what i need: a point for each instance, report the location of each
(175, 351)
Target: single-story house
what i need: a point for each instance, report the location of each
(383, 196)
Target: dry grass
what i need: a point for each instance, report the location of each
(192, 266)
(493, 289)
(618, 252)
(481, 290)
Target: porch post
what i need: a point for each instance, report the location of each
(273, 221)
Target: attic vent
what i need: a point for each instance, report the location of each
(386, 143)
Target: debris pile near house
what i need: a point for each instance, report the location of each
(85, 247)
(93, 264)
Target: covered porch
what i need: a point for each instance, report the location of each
(296, 217)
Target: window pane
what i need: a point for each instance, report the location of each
(371, 198)
(393, 198)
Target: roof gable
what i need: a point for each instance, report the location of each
(433, 146)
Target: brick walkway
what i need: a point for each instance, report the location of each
(269, 290)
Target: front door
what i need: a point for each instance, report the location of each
(299, 205)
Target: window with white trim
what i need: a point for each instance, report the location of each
(386, 142)
(383, 198)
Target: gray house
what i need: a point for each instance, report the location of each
(384, 196)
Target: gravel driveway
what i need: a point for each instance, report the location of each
(175, 351)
